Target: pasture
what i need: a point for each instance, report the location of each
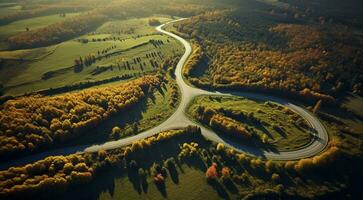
(285, 129)
(132, 54)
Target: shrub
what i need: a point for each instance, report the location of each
(115, 133)
(220, 147)
(229, 126)
(211, 172)
(275, 177)
(159, 178)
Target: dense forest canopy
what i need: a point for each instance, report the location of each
(275, 49)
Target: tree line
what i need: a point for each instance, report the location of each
(30, 123)
(41, 11)
(57, 32)
(56, 174)
(217, 120)
(194, 60)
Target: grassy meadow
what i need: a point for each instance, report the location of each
(114, 46)
(190, 179)
(289, 136)
(32, 23)
(7, 8)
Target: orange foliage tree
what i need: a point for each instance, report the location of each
(28, 123)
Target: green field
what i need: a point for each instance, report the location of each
(59, 59)
(192, 184)
(32, 23)
(129, 28)
(9, 8)
(289, 137)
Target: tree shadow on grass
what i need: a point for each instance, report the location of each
(219, 188)
(101, 132)
(162, 188)
(264, 130)
(135, 180)
(144, 185)
(230, 186)
(253, 146)
(104, 182)
(180, 167)
(152, 98)
(160, 90)
(91, 190)
(174, 175)
(281, 132)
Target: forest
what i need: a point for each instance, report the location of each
(313, 61)
(34, 122)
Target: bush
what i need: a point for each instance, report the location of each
(220, 147)
(211, 172)
(115, 133)
(275, 177)
(154, 22)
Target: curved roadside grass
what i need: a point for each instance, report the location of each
(290, 137)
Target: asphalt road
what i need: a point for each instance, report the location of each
(179, 119)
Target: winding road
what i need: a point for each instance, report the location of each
(179, 119)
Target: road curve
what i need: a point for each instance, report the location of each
(179, 119)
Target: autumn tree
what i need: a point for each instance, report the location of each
(31, 122)
(211, 172)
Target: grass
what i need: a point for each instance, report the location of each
(60, 58)
(355, 103)
(189, 178)
(27, 54)
(20, 26)
(9, 8)
(192, 184)
(158, 110)
(32, 23)
(135, 27)
(151, 112)
(248, 179)
(290, 138)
